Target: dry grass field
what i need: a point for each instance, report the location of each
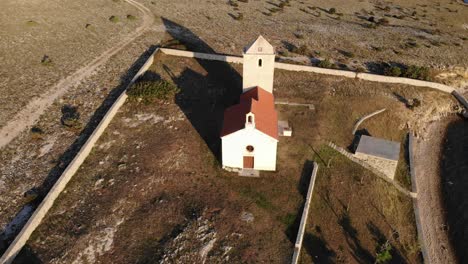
(153, 191)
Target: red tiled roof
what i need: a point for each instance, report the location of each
(259, 102)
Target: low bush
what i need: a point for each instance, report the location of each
(392, 71)
(239, 17)
(301, 50)
(71, 117)
(416, 72)
(131, 17)
(46, 60)
(384, 253)
(37, 133)
(383, 22)
(412, 72)
(326, 64)
(150, 90)
(31, 23)
(114, 19)
(332, 10)
(299, 35)
(232, 3)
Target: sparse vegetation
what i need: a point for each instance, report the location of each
(150, 90)
(114, 19)
(46, 60)
(31, 23)
(71, 117)
(131, 17)
(301, 50)
(412, 72)
(326, 64)
(332, 11)
(37, 133)
(240, 16)
(384, 253)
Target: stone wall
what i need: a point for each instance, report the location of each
(305, 213)
(387, 167)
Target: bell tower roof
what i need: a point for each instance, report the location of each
(260, 46)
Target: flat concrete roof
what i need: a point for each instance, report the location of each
(379, 147)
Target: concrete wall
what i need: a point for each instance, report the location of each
(385, 166)
(234, 149)
(205, 56)
(256, 75)
(305, 213)
(68, 173)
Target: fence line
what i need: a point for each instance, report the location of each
(305, 213)
(41, 211)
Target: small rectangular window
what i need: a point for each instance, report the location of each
(260, 63)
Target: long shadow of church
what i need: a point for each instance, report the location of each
(203, 98)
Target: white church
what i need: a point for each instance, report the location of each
(250, 130)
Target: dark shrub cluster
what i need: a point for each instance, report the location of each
(413, 72)
(150, 90)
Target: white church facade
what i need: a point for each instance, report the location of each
(249, 136)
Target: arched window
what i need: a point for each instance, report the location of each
(260, 62)
(249, 119)
(250, 148)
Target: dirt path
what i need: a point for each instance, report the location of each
(31, 113)
(428, 181)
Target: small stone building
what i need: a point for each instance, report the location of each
(380, 154)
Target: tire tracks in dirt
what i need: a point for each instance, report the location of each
(29, 115)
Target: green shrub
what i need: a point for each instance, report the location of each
(384, 254)
(302, 50)
(413, 103)
(239, 17)
(412, 72)
(71, 117)
(392, 71)
(348, 54)
(232, 3)
(37, 133)
(383, 22)
(114, 19)
(150, 90)
(31, 23)
(332, 10)
(131, 17)
(243, 1)
(46, 60)
(299, 35)
(416, 72)
(326, 64)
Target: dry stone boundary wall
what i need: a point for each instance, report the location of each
(305, 213)
(292, 67)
